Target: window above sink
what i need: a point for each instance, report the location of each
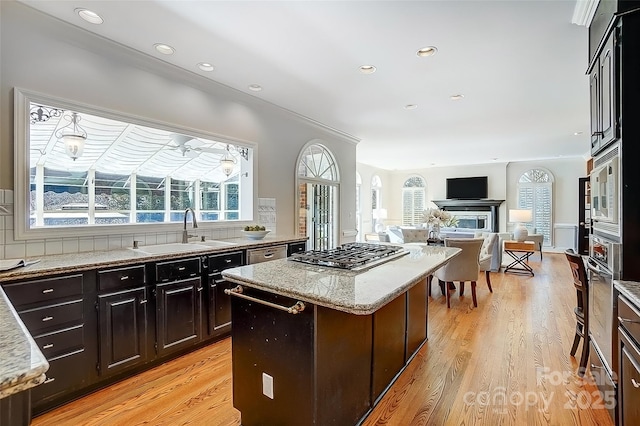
(127, 172)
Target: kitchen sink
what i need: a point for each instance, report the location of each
(170, 248)
(216, 243)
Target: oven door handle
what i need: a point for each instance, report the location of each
(597, 269)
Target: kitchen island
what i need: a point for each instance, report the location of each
(319, 345)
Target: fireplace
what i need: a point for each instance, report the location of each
(461, 208)
(477, 220)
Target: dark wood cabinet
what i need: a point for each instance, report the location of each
(604, 96)
(56, 313)
(123, 322)
(296, 247)
(178, 315)
(123, 319)
(219, 304)
(629, 362)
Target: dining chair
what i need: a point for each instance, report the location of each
(463, 267)
(486, 256)
(581, 310)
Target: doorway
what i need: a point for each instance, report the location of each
(318, 195)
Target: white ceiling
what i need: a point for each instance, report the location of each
(520, 65)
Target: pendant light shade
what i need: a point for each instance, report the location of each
(228, 163)
(73, 136)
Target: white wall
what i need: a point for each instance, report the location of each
(42, 54)
(502, 180)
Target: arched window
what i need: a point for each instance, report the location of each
(535, 192)
(318, 195)
(376, 199)
(413, 196)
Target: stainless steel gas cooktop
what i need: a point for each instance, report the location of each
(352, 256)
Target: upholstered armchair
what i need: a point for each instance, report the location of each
(415, 235)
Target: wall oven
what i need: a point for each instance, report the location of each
(603, 266)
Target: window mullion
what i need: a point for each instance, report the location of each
(91, 184)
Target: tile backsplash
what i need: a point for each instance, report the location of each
(10, 249)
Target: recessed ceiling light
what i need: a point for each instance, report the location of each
(427, 51)
(410, 106)
(255, 87)
(89, 16)
(456, 97)
(367, 69)
(205, 66)
(577, 133)
(165, 49)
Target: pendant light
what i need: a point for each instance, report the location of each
(73, 136)
(227, 162)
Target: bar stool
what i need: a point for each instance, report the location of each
(582, 309)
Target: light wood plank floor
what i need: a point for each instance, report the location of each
(503, 363)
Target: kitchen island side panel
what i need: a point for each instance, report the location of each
(343, 366)
(281, 345)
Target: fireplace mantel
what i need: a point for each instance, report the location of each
(474, 205)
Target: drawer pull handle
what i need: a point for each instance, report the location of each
(126, 277)
(45, 319)
(635, 384)
(143, 301)
(182, 268)
(268, 255)
(228, 260)
(199, 288)
(48, 290)
(49, 380)
(628, 320)
(238, 292)
(48, 346)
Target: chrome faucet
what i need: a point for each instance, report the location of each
(185, 234)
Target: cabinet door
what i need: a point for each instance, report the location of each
(219, 305)
(608, 94)
(594, 83)
(628, 382)
(123, 330)
(178, 315)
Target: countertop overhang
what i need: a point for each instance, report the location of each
(22, 365)
(360, 293)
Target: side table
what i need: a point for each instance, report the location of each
(519, 252)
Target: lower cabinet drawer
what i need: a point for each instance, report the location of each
(65, 374)
(52, 316)
(61, 342)
(603, 381)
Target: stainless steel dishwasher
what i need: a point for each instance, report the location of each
(266, 254)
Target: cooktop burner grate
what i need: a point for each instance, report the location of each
(348, 256)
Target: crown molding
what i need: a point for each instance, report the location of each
(583, 12)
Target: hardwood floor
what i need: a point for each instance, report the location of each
(503, 363)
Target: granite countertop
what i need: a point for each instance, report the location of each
(359, 293)
(22, 365)
(66, 263)
(630, 289)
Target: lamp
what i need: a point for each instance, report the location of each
(72, 135)
(379, 215)
(520, 216)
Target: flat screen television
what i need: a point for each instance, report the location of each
(468, 188)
